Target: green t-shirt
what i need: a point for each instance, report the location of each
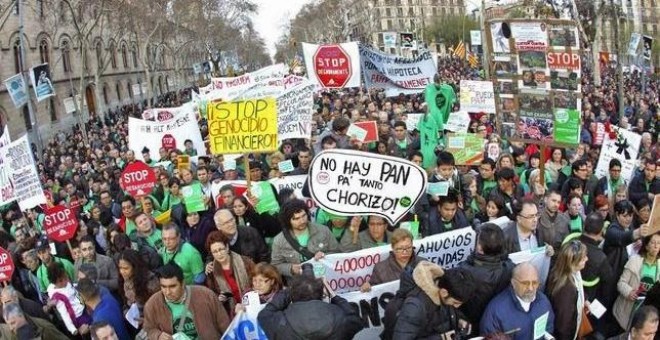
(178, 311)
(648, 275)
(488, 186)
(130, 226)
(186, 257)
(303, 238)
(576, 225)
(42, 272)
(338, 232)
(155, 240)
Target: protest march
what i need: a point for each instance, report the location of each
(359, 195)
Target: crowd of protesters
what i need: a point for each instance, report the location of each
(186, 274)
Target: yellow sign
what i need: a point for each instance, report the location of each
(243, 126)
(183, 162)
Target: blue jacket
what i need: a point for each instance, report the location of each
(504, 313)
(108, 310)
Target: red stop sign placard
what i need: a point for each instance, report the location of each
(168, 142)
(138, 179)
(6, 265)
(332, 66)
(60, 223)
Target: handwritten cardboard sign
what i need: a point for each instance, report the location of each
(243, 126)
(348, 182)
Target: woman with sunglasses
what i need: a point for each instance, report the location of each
(565, 289)
(639, 275)
(402, 258)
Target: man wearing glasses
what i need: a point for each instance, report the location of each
(376, 235)
(245, 240)
(521, 308)
(523, 233)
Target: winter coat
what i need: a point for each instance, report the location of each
(492, 274)
(251, 244)
(389, 270)
(436, 226)
(284, 255)
(423, 316)
(315, 319)
(629, 282)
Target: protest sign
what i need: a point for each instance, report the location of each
(412, 120)
(244, 327)
(295, 183)
(60, 223)
(529, 36)
(477, 96)
(467, 148)
(243, 126)
(143, 133)
(41, 82)
(397, 74)
(285, 166)
(6, 188)
(624, 147)
(162, 114)
(458, 121)
(193, 197)
(6, 265)
(137, 179)
(183, 162)
(266, 199)
(346, 272)
(293, 80)
(633, 44)
(372, 130)
(348, 183)
(22, 174)
(333, 65)
(294, 112)
(16, 89)
(228, 88)
(239, 186)
(654, 220)
(356, 132)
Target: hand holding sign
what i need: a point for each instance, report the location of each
(347, 183)
(138, 179)
(60, 223)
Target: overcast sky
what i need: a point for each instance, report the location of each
(272, 15)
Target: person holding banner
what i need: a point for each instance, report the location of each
(376, 235)
(402, 259)
(300, 240)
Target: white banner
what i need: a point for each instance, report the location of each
(230, 87)
(294, 112)
(477, 96)
(389, 39)
(292, 81)
(144, 133)
(136, 90)
(475, 37)
(397, 74)
(41, 82)
(333, 65)
(6, 188)
(295, 183)
(163, 114)
(25, 185)
(348, 271)
(625, 148)
(16, 89)
(412, 120)
(458, 121)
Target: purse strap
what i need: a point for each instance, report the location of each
(296, 246)
(182, 320)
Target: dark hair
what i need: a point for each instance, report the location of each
(284, 195)
(128, 198)
(642, 203)
(328, 140)
(593, 224)
(645, 242)
(499, 203)
(170, 270)
(291, 208)
(55, 271)
(303, 148)
(140, 277)
(518, 206)
(490, 162)
(445, 158)
(614, 162)
(400, 123)
(98, 325)
(87, 288)
(505, 173)
(643, 315)
(574, 183)
(305, 288)
(491, 239)
(415, 153)
(459, 283)
(340, 123)
(173, 180)
(88, 238)
(577, 164)
(624, 207)
(451, 198)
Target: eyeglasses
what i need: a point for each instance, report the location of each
(403, 250)
(529, 283)
(227, 222)
(532, 217)
(220, 251)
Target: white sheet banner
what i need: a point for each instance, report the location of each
(231, 87)
(294, 112)
(348, 271)
(334, 65)
(625, 148)
(25, 185)
(397, 74)
(154, 135)
(295, 183)
(477, 96)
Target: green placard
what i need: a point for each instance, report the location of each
(267, 201)
(193, 197)
(567, 126)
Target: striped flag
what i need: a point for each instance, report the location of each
(459, 50)
(473, 60)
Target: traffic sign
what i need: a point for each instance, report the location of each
(6, 265)
(138, 179)
(60, 223)
(332, 66)
(168, 142)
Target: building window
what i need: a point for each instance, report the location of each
(118, 90)
(17, 56)
(399, 11)
(124, 56)
(99, 54)
(43, 51)
(105, 94)
(26, 118)
(113, 55)
(66, 56)
(40, 8)
(388, 12)
(389, 24)
(134, 56)
(52, 108)
(130, 91)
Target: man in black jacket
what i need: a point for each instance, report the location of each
(445, 216)
(645, 185)
(490, 268)
(246, 240)
(300, 313)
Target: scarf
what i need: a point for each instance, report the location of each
(240, 275)
(577, 278)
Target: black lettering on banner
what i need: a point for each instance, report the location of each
(328, 164)
(370, 310)
(361, 199)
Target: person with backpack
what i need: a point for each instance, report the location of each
(430, 306)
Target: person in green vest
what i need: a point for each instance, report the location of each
(146, 233)
(183, 254)
(376, 235)
(173, 195)
(575, 214)
(146, 157)
(486, 180)
(43, 252)
(190, 150)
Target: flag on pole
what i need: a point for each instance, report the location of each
(459, 50)
(473, 60)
